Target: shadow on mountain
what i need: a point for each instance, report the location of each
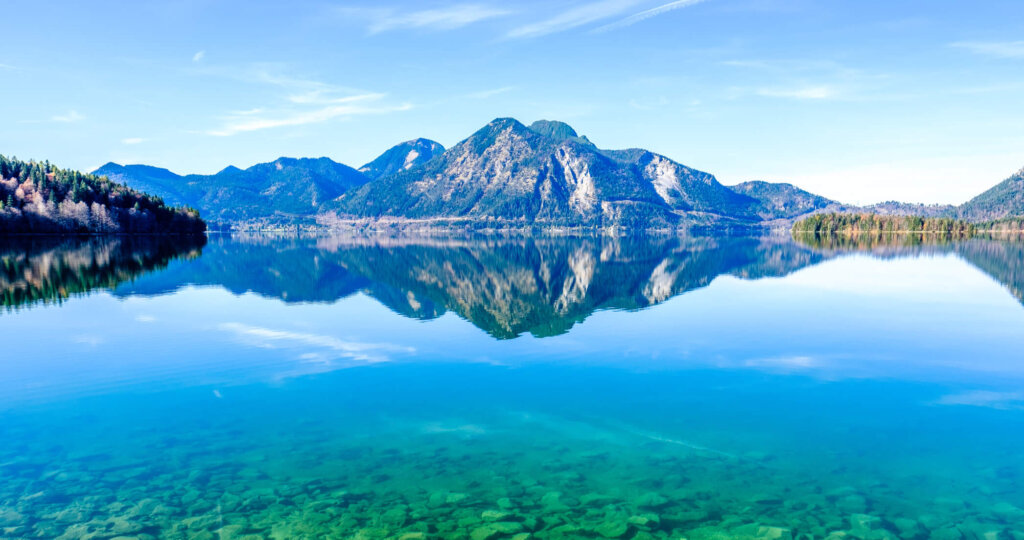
(43, 270)
(506, 286)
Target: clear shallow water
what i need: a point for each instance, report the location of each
(331, 388)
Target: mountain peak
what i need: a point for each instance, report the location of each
(230, 169)
(554, 129)
(402, 157)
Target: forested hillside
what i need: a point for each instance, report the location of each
(36, 197)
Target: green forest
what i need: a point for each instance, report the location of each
(39, 198)
(857, 224)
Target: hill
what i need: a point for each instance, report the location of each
(286, 186)
(1005, 199)
(783, 201)
(41, 198)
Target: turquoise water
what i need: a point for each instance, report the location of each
(268, 387)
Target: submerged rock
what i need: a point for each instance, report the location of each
(612, 529)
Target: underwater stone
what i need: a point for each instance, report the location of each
(487, 532)
(595, 499)
(612, 529)
(507, 527)
(1008, 512)
(505, 503)
(774, 533)
(645, 521)
(946, 533)
(651, 500)
(495, 515)
(908, 528)
(852, 504)
(395, 517)
(10, 517)
(454, 498)
(371, 533)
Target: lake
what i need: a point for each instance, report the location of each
(490, 388)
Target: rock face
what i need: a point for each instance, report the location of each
(286, 186)
(402, 157)
(1005, 199)
(546, 175)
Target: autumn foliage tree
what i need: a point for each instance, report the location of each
(36, 197)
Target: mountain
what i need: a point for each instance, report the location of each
(1005, 199)
(40, 198)
(402, 157)
(510, 174)
(285, 187)
(895, 208)
(784, 201)
(146, 179)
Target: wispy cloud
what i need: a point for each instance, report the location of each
(340, 107)
(997, 49)
(484, 94)
(89, 339)
(800, 92)
(133, 140)
(437, 19)
(7, 66)
(315, 347)
(304, 101)
(574, 18)
(198, 57)
(71, 116)
(647, 14)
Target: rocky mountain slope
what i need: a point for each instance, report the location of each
(401, 157)
(510, 174)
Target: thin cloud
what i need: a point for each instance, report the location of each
(198, 57)
(304, 102)
(997, 49)
(345, 107)
(484, 94)
(133, 140)
(647, 14)
(70, 117)
(804, 92)
(438, 19)
(573, 18)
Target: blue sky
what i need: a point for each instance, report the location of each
(861, 101)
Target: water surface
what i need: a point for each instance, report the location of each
(268, 387)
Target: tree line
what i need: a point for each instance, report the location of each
(857, 224)
(39, 198)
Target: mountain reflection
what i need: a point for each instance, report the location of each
(999, 256)
(507, 286)
(51, 269)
